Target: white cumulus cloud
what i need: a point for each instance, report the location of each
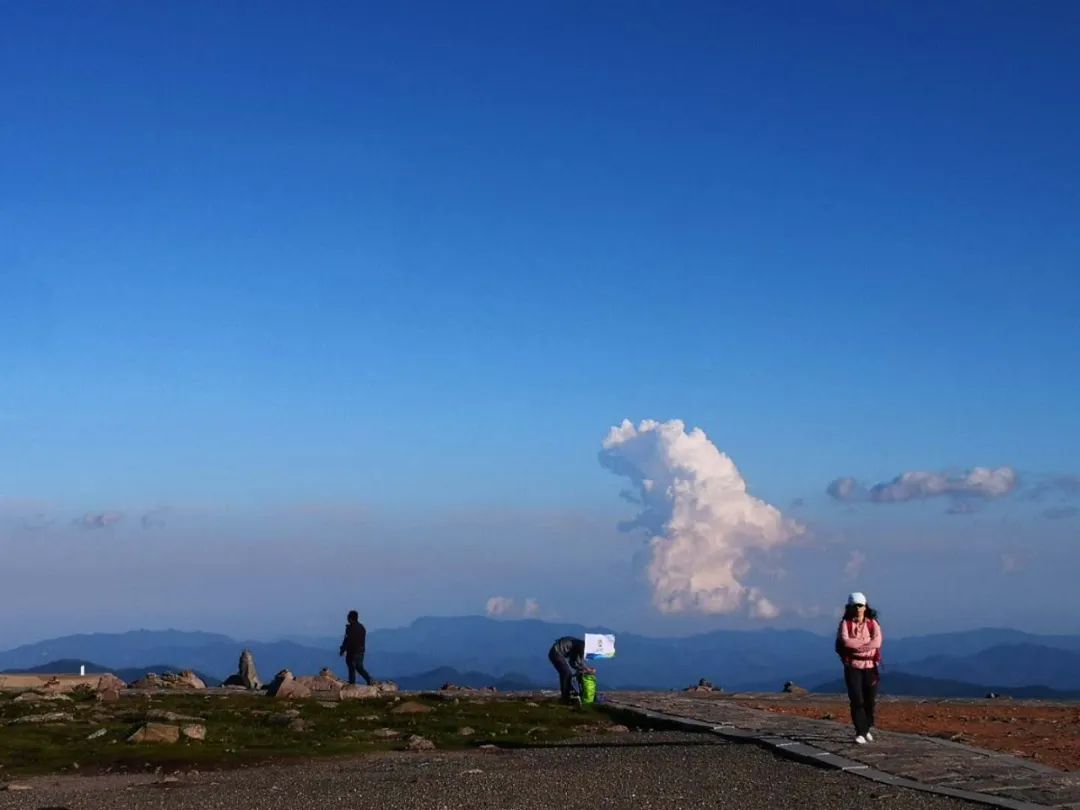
(701, 521)
(499, 606)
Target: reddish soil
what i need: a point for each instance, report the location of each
(1043, 731)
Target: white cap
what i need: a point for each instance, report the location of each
(856, 598)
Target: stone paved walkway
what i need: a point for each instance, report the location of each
(906, 760)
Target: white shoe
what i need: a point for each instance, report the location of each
(869, 737)
(860, 739)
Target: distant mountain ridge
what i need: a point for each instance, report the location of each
(759, 660)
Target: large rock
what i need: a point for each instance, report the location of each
(155, 733)
(286, 687)
(246, 676)
(354, 691)
(323, 685)
(181, 681)
(110, 681)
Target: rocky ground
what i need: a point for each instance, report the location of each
(640, 770)
(1043, 731)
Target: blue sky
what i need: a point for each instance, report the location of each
(359, 291)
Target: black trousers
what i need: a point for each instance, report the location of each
(862, 686)
(355, 662)
(567, 674)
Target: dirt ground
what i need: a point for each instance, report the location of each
(1046, 732)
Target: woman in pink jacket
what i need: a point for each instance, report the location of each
(858, 642)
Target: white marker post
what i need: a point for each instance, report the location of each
(82, 669)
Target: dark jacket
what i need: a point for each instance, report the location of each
(355, 639)
(572, 649)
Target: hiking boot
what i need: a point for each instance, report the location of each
(860, 739)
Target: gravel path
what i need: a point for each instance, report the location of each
(641, 770)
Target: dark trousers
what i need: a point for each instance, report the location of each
(566, 673)
(862, 686)
(355, 662)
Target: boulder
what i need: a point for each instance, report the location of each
(794, 689)
(323, 685)
(246, 675)
(285, 687)
(108, 696)
(155, 733)
(353, 691)
(109, 681)
(183, 680)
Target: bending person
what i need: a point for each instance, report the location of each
(567, 655)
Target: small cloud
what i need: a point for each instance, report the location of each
(155, 518)
(1066, 486)
(854, 564)
(760, 607)
(98, 520)
(1061, 512)
(532, 609)
(499, 606)
(1011, 563)
(978, 482)
(846, 489)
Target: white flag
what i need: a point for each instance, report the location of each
(598, 645)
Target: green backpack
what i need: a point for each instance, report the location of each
(588, 688)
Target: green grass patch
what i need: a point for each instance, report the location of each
(243, 729)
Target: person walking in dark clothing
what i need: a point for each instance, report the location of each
(353, 647)
(567, 655)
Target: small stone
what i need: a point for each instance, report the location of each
(297, 725)
(418, 743)
(411, 707)
(17, 786)
(466, 731)
(385, 733)
(34, 697)
(101, 732)
(194, 731)
(618, 729)
(155, 733)
(51, 717)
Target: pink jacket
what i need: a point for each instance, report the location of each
(860, 642)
